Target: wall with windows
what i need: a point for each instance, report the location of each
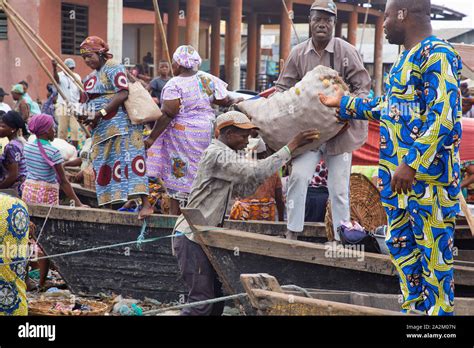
(54, 22)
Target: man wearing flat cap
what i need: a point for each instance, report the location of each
(222, 173)
(324, 49)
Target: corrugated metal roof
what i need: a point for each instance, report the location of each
(451, 33)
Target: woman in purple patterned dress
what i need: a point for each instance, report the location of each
(12, 161)
(181, 135)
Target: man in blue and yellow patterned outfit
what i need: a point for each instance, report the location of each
(419, 173)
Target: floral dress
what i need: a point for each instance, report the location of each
(14, 226)
(175, 155)
(118, 152)
(13, 153)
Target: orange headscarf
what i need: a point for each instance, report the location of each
(96, 45)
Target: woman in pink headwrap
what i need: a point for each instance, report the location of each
(117, 153)
(181, 135)
(45, 172)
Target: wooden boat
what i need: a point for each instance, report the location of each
(310, 265)
(86, 196)
(150, 272)
(153, 272)
(267, 297)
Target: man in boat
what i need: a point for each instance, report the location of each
(419, 175)
(222, 173)
(322, 48)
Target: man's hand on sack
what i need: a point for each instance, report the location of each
(303, 138)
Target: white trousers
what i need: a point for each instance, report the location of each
(339, 172)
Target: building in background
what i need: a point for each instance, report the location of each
(239, 40)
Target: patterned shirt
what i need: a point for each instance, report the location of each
(38, 168)
(320, 176)
(420, 119)
(13, 153)
(101, 87)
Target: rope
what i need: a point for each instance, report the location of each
(297, 288)
(44, 224)
(110, 246)
(142, 235)
(195, 304)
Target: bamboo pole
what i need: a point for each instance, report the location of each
(467, 213)
(40, 42)
(159, 22)
(40, 62)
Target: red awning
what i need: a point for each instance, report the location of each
(369, 153)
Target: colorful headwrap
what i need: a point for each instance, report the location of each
(186, 56)
(94, 44)
(18, 89)
(38, 125)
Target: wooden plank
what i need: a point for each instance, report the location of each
(166, 221)
(295, 251)
(263, 281)
(462, 305)
(275, 303)
(150, 272)
(194, 216)
(104, 216)
(312, 253)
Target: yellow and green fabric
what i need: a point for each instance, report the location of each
(420, 125)
(14, 226)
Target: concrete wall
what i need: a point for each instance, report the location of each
(44, 16)
(17, 62)
(130, 43)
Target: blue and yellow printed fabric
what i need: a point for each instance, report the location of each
(14, 226)
(420, 125)
(420, 119)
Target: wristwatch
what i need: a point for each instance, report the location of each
(103, 112)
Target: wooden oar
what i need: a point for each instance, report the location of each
(467, 213)
(159, 22)
(40, 42)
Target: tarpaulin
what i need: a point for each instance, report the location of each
(369, 153)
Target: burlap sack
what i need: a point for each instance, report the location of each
(284, 115)
(140, 106)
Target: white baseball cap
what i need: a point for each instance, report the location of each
(70, 63)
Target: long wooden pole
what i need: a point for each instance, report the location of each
(159, 22)
(40, 62)
(467, 213)
(40, 42)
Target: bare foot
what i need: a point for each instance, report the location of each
(145, 212)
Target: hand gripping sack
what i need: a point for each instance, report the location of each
(284, 115)
(140, 105)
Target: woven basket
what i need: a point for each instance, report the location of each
(44, 308)
(366, 206)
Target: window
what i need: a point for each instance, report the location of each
(3, 26)
(74, 27)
